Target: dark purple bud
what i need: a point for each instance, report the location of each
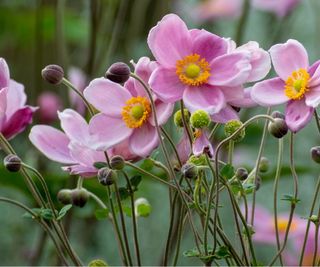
(189, 170)
(106, 176)
(277, 114)
(53, 74)
(315, 154)
(79, 197)
(12, 163)
(118, 72)
(278, 128)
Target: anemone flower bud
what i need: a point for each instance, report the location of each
(106, 176)
(53, 74)
(231, 127)
(315, 154)
(117, 162)
(177, 118)
(200, 119)
(277, 114)
(258, 182)
(142, 207)
(189, 170)
(64, 196)
(264, 164)
(12, 163)
(278, 128)
(79, 197)
(241, 173)
(118, 72)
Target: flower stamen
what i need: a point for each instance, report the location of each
(136, 112)
(297, 84)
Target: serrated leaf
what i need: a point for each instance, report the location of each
(100, 164)
(64, 211)
(227, 172)
(101, 214)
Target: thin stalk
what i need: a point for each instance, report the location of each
(172, 145)
(230, 151)
(242, 22)
(180, 230)
(317, 120)
(186, 123)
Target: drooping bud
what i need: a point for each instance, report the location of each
(264, 164)
(177, 118)
(106, 176)
(64, 196)
(200, 119)
(241, 173)
(118, 72)
(53, 74)
(278, 128)
(315, 154)
(277, 114)
(117, 162)
(231, 127)
(189, 170)
(314, 218)
(12, 163)
(142, 207)
(258, 182)
(79, 197)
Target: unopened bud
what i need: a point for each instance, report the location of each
(314, 218)
(264, 164)
(278, 128)
(12, 163)
(64, 196)
(142, 207)
(189, 170)
(315, 154)
(198, 160)
(79, 197)
(118, 72)
(200, 119)
(258, 182)
(117, 162)
(241, 173)
(97, 263)
(53, 74)
(106, 176)
(177, 118)
(231, 127)
(277, 115)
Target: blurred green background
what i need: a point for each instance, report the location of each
(91, 35)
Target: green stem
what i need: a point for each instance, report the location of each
(242, 22)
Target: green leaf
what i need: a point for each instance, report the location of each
(124, 193)
(135, 181)
(249, 187)
(46, 214)
(127, 210)
(191, 253)
(291, 199)
(101, 214)
(223, 252)
(227, 172)
(100, 164)
(64, 211)
(147, 165)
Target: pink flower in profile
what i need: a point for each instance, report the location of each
(202, 144)
(280, 8)
(79, 80)
(298, 84)
(126, 112)
(15, 116)
(197, 66)
(49, 103)
(183, 147)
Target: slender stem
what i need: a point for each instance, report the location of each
(230, 151)
(316, 240)
(186, 123)
(172, 145)
(214, 129)
(97, 200)
(180, 230)
(242, 22)
(317, 120)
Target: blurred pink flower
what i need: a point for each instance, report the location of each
(279, 7)
(183, 147)
(49, 103)
(126, 112)
(79, 80)
(15, 116)
(298, 84)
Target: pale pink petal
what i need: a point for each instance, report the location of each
(207, 98)
(313, 97)
(225, 115)
(169, 40)
(208, 45)
(314, 72)
(131, 87)
(83, 171)
(184, 147)
(84, 155)
(107, 96)
(16, 97)
(74, 125)
(288, 57)
(106, 131)
(3, 106)
(232, 93)
(246, 101)
(52, 143)
(298, 114)
(269, 92)
(144, 140)
(166, 85)
(17, 122)
(202, 145)
(123, 150)
(78, 78)
(4, 74)
(163, 111)
(231, 69)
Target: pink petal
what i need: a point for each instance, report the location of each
(232, 93)
(184, 148)
(169, 40)
(16, 97)
(288, 57)
(75, 126)
(246, 101)
(107, 96)
(225, 115)
(202, 145)
(314, 72)
(52, 143)
(17, 122)
(298, 114)
(231, 69)
(313, 97)
(107, 131)
(123, 150)
(166, 85)
(208, 45)
(207, 98)
(269, 92)
(3, 106)
(144, 140)
(163, 111)
(83, 171)
(4, 74)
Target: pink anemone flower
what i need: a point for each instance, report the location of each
(126, 112)
(280, 8)
(79, 80)
(202, 144)
(298, 84)
(197, 66)
(15, 116)
(49, 103)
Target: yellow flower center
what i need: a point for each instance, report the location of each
(283, 223)
(193, 70)
(136, 111)
(297, 84)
